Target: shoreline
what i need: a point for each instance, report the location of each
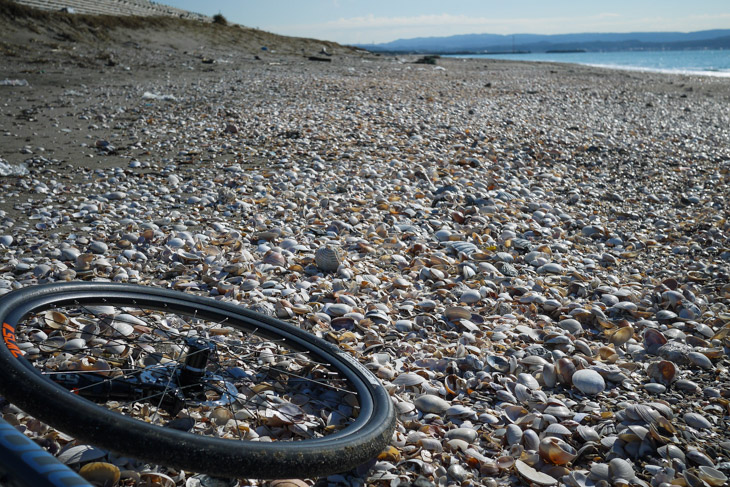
(622, 67)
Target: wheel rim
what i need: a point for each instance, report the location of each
(265, 409)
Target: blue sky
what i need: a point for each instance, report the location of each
(365, 21)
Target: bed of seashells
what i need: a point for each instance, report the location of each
(533, 259)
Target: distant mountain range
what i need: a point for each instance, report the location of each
(484, 43)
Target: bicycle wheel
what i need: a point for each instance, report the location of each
(189, 382)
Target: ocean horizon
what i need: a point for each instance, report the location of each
(707, 62)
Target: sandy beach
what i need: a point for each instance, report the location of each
(501, 227)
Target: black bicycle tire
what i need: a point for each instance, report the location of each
(23, 385)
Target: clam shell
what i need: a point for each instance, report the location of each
(565, 369)
(52, 344)
(532, 476)
(712, 476)
(327, 259)
(556, 451)
(621, 336)
(618, 468)
(428, 403)
(156, 479)
(274, 258)
(699, 458)
(653, 339)
(572, 326)
(530, 440)
(697, 421)
(101, 473)
(55, 320)
(81, 454)
(115, 347)
(468, 435)
(588, 382)
(409, 379)
(75, 344)
(513, 435)
(663, 372)
(455, 313)
(549, 376)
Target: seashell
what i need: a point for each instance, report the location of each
(56, 320)
(662, 430)
(701, 360)
(665, 316)
(642, 412)
(460, 411)
(428, 403)
(75, 344)
(327, 259)
(128, 318)
(687, 385)
(505, 462)
(409, 379)
(618, 468)
(655, 388)
(633, 433)
(113, 326)
(528, 381)
(101, 473)
(549, 375)
(288, 483)
(557, 430)
(156, 479)
(430, 444)
(220, 415)
(338, 309)
(81, 454)
(100, 310)
(564, 369)
(578, 478)
(697, 421)
(653, 339)
(671, 452)
(621, 335)
(52, 344)
(532, 476)
(599, 471)
(588, 381)
(513, 434)
(556, 451)
(470, 296)
(274, 258)
(699, 458)
(572, 326)
(712, 476)
(663, 372)
(456, 313)
(83, 262)
(588, 433)
(468, 435)
(499, 363)
(530, 440)
(457, 472)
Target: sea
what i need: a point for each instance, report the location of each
(701, 62)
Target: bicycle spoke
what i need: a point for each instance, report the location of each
(245, 374)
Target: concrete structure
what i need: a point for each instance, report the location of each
(113, 7)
